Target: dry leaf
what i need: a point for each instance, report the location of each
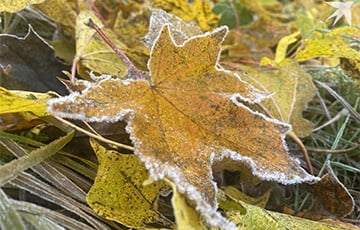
(61, 11)
(133, 28)
(185, 215)
(97, 56)
(118, 193)
(12, 6)
(292, 90)
(331, 197)
(188, 119)
(92, 50)
(332, 45)
(34, 66)
(15, 101)
(256, 40)
(199, 11)
(258, 218)
(260, 201)
(21, 109)
(180, 31)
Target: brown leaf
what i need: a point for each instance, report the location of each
(331, 198)
(189, 119)
(34, 66)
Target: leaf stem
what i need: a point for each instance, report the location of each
(97, 12)
(132, 68)
(96, 136)
(304, 151)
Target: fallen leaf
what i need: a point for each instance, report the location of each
(15, 101)
(189, 119)
(228, 204)
(199, 11)
(331, 197)
(351, 67)
(34, 66)
(61, 11)
(238, 195)
(185, 215)
(118, 193)
(292, 90)
(93, 52)
(13, 6)
(21, 110)
(133, 28)
(258, 218)
(281, 50)
(97, 56)
(256, 40)
(331, 45)
(180, 31)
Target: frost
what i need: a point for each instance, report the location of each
(162, 150)
(282, 127)
(266, 174)
(159, 171)
(180, 30)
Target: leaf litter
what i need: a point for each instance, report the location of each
(234, 48)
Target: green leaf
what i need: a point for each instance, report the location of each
(228, 10)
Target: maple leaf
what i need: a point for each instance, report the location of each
(189, 120)
(343, 9)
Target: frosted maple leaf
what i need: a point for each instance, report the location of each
(343, 9)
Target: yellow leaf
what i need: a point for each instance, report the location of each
(331, 45)
(61, 11)
(185, 215)
(12, 6)
(198, 10)
(180, 30)
(260, 201)
(118, 193)
(133, 28)
(13, 101)
(93, 51)
(292, 90)
(21, 109)
(283, 45)
(281, 49)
